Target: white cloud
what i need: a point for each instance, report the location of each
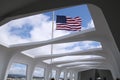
(62, 48)
(90, 24)
(39, 72)
(73, 58)
(18, 69)
(40, 51)
(75, 46)
(58, 48)
(42, 28)
(78, 63)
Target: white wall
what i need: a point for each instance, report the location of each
(31, 63)
(106, 39)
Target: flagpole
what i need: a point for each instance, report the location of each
(52, 36)
(52, 25)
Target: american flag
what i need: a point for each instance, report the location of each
(68, 23)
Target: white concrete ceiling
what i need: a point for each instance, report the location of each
(101, 34)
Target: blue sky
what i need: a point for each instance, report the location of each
(38, 72)
(81, 11)
(17, 68)
(38, 28)
(23, 32)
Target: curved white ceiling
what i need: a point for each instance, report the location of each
(101, 35)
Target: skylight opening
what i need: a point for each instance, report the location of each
(78, 63)
(39, 27)
(83, 66)
(63, 48)
(73, 58)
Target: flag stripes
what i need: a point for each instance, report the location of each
(68, 23)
